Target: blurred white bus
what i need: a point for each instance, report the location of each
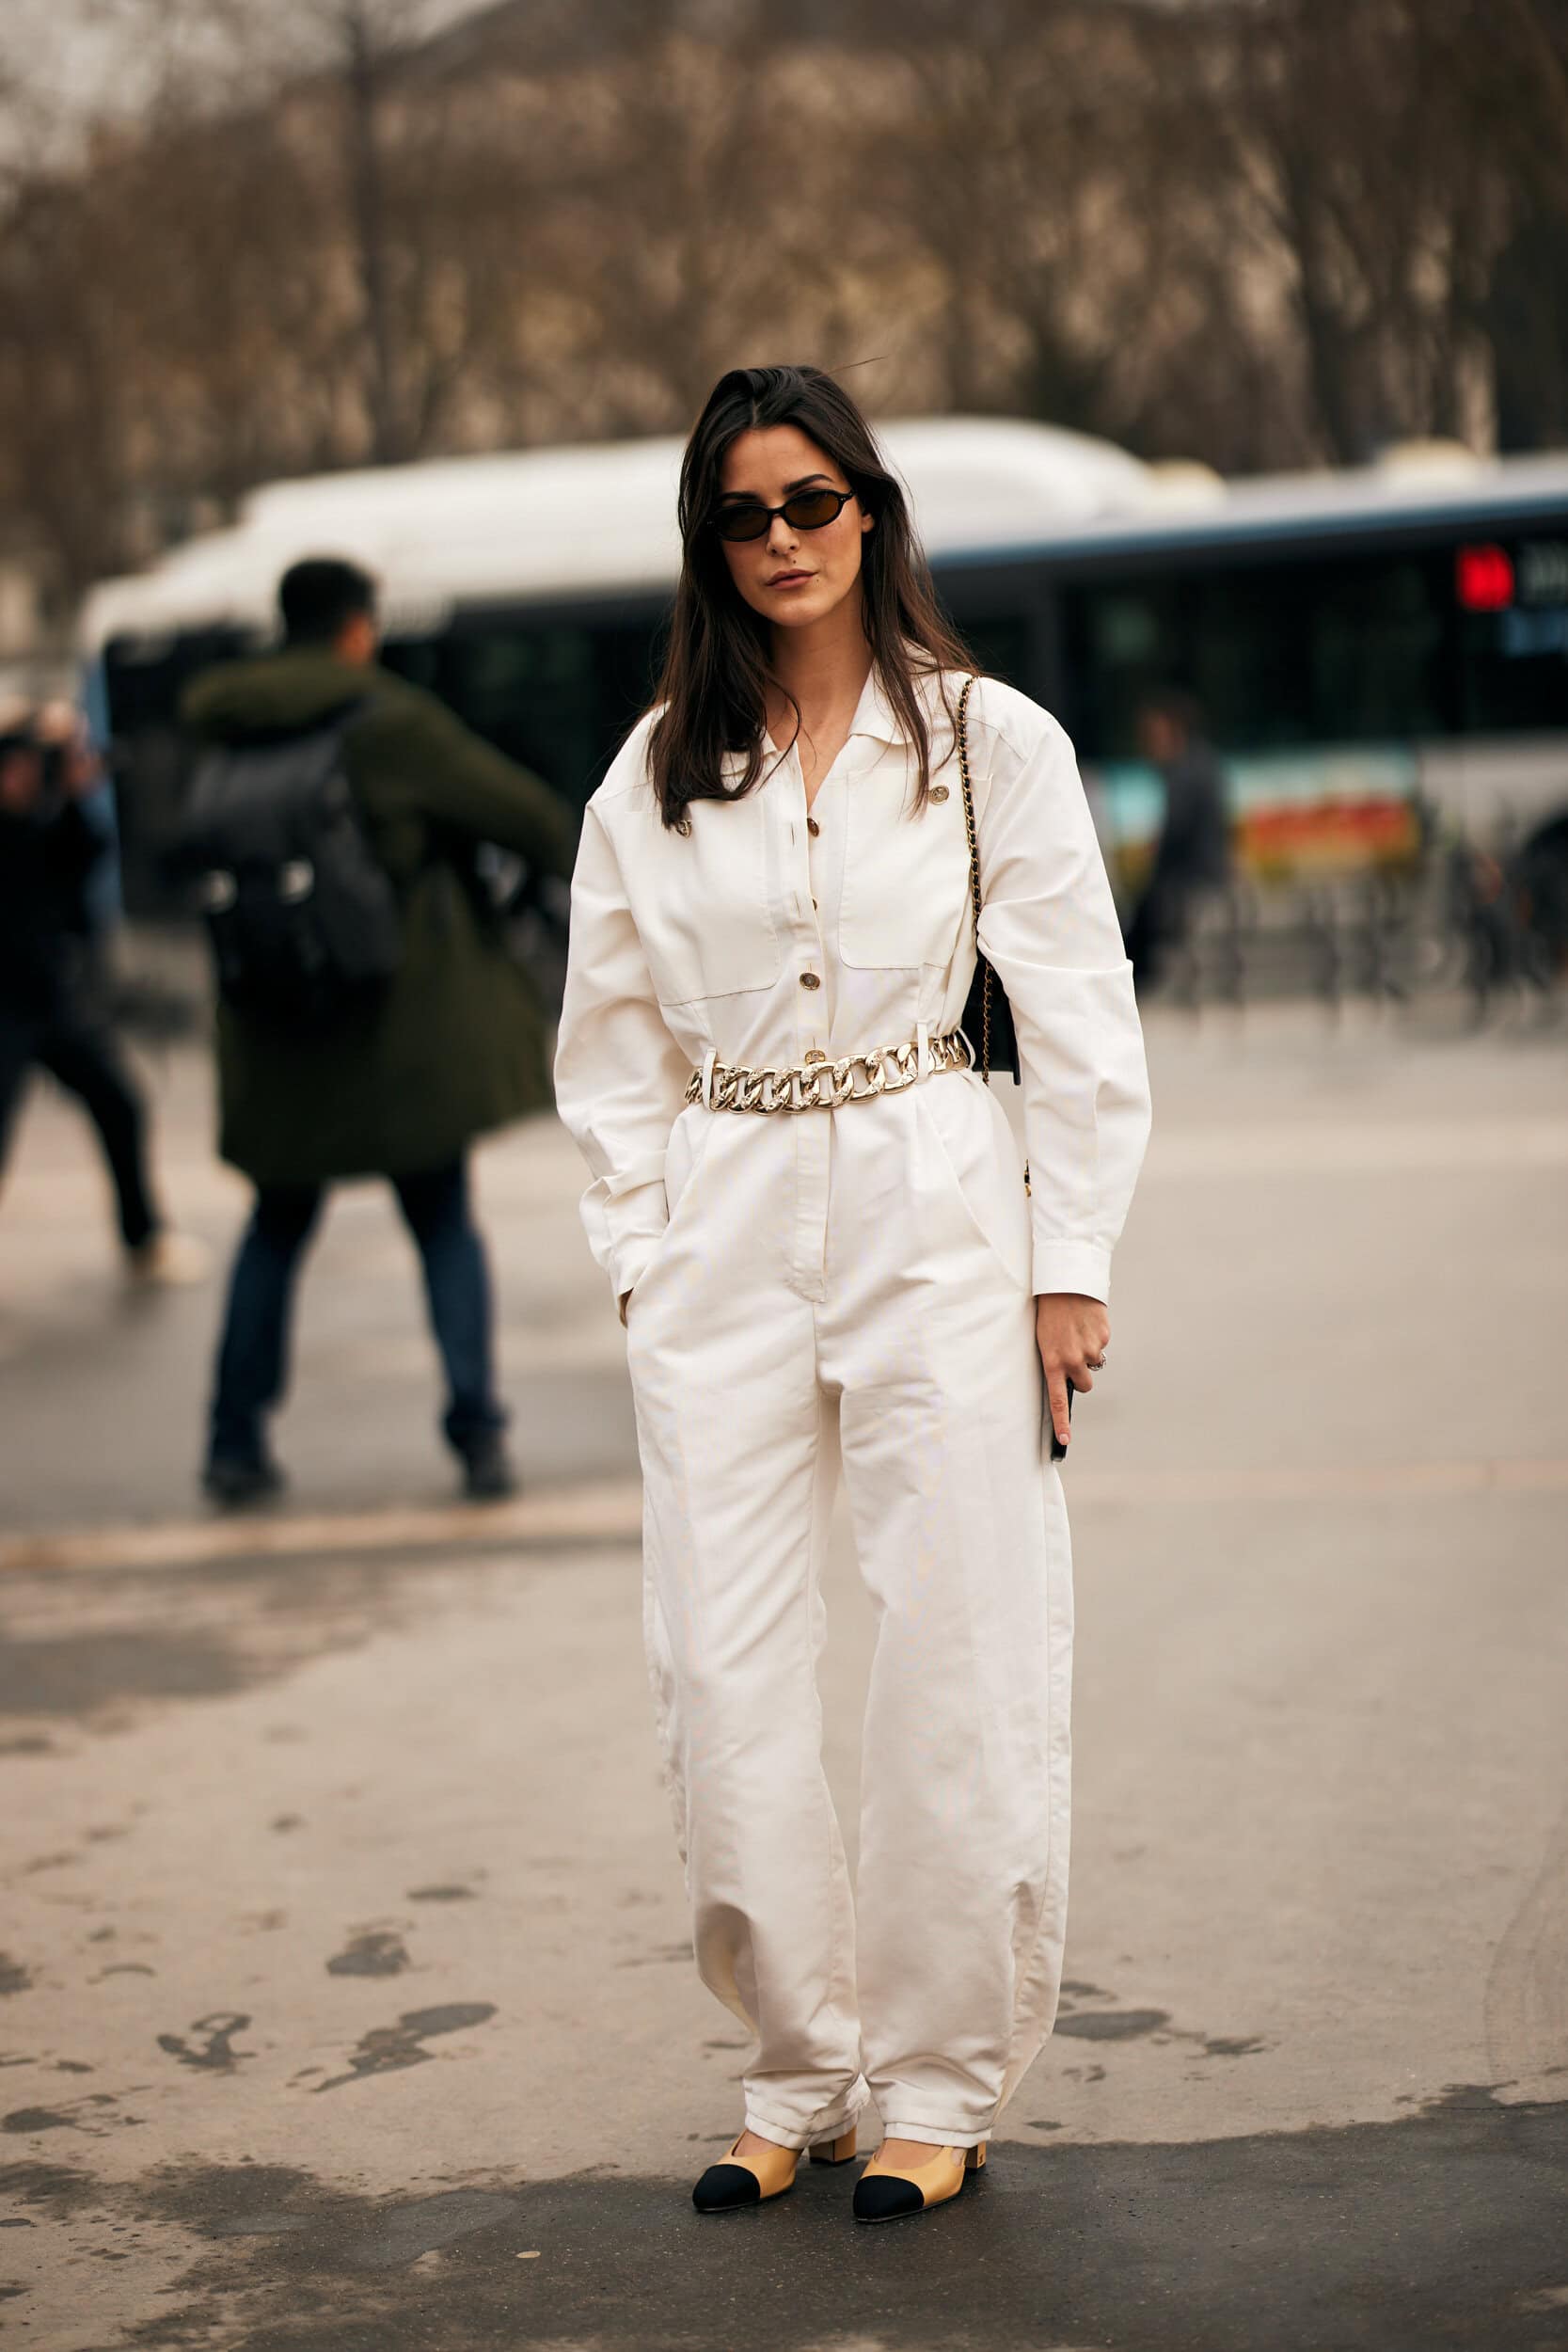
(1369, 646)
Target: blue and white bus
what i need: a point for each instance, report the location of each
(1365, 643)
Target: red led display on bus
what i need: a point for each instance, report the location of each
(1485, 578)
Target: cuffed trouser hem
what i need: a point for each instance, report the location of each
(935, 2134)
(827, 2123)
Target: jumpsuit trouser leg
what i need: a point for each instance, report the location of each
(739, 1480)
(961, 1536)
(916, 1356)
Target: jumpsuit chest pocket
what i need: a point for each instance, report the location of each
(906, 899)
(703, 902)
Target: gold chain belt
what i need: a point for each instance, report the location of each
(817, 1084)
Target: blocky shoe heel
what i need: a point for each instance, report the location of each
(840, 2151)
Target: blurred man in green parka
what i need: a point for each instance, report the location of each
(452, 1046)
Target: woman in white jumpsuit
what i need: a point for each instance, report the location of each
(836, 1268)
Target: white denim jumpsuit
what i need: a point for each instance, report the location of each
(853, 1289)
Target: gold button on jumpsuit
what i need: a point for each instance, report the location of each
(850, 1291)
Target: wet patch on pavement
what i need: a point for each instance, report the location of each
(1075, 2023)
(1112, 2025)
(78, 1674)
(94, 2113)
(1443, 2227)
(103, 1651)
(217, 2054)
(387, 2049)
(60, 2189)
(371, 1952)
(13, 1977)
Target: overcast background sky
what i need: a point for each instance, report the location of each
(66, 62)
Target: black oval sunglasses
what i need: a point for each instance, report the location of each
(808, 510)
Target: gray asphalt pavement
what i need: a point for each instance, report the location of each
(360, 1802)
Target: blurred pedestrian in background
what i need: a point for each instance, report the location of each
(1192, 856)
(55, 1012)
(399, 1080)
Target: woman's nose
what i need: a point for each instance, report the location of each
(780, 539)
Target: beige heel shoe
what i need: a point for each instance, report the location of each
(736, 2181)
(883, 2194)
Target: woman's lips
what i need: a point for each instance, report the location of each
(790, 580)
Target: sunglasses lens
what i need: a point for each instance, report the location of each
(814, 508)
(743, 522)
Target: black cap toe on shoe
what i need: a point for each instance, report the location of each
(883, 2197)
(723, 2186)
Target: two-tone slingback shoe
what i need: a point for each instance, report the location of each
(883, 2193)
(736, 2181)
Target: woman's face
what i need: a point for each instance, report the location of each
(792, 578)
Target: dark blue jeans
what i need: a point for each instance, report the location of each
(79, 1049)
(252, 1367)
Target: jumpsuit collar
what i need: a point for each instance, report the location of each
(875, 715)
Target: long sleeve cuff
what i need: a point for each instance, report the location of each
(1072, 1265)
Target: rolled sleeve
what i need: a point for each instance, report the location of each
(1048, 925)
(619, 1075)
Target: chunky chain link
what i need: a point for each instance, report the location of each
(821, 1084)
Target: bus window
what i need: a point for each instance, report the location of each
(527, 689)
(557, 695)
(1001, 648)
(1286, 654)
(1378, 635)
(1120, 639)
(628, 658)
(151, 759)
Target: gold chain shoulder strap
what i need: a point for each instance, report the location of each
(974, 894)
(974, 879)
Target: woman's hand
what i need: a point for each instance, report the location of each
(1073, 1333)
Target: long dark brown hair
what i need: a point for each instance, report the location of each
(716, 667)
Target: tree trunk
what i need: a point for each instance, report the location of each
(369, 208)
